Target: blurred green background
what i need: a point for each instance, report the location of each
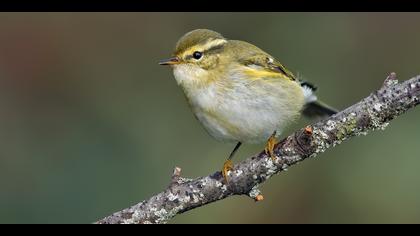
(91, 124)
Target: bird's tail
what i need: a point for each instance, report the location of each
(313, 107)
(318, 109)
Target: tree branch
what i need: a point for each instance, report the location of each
(373, 112)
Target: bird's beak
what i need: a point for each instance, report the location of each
(170, 61)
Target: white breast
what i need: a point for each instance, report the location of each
(245, 111)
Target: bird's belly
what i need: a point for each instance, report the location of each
(249, 116)
(250, 126)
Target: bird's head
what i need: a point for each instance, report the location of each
(196, 57)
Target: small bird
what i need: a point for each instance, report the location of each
(238, 92)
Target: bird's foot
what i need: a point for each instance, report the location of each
(269, 147)
(227, 166)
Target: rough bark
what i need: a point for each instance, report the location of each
(372, 113)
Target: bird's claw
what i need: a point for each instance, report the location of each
(227, 166)
(269, 147)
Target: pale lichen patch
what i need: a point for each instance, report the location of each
(185, 199)
(195, 198)
(164, 215)
(271, 168)
(377, 107)
(254, 192)
(330, 125)
(271, 172)
(364, 133)
(319, 142)
(323, 134)
(129, 221)
(295, 158)
(206, 182)
(238, 172)
(391, 81)
(172, 197)
(182, 180)
(268, 163)
(375, 120)
(161, 213)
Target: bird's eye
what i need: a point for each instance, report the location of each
(197, 55)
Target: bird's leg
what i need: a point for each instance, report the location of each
(269, 147)
(228, 165)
